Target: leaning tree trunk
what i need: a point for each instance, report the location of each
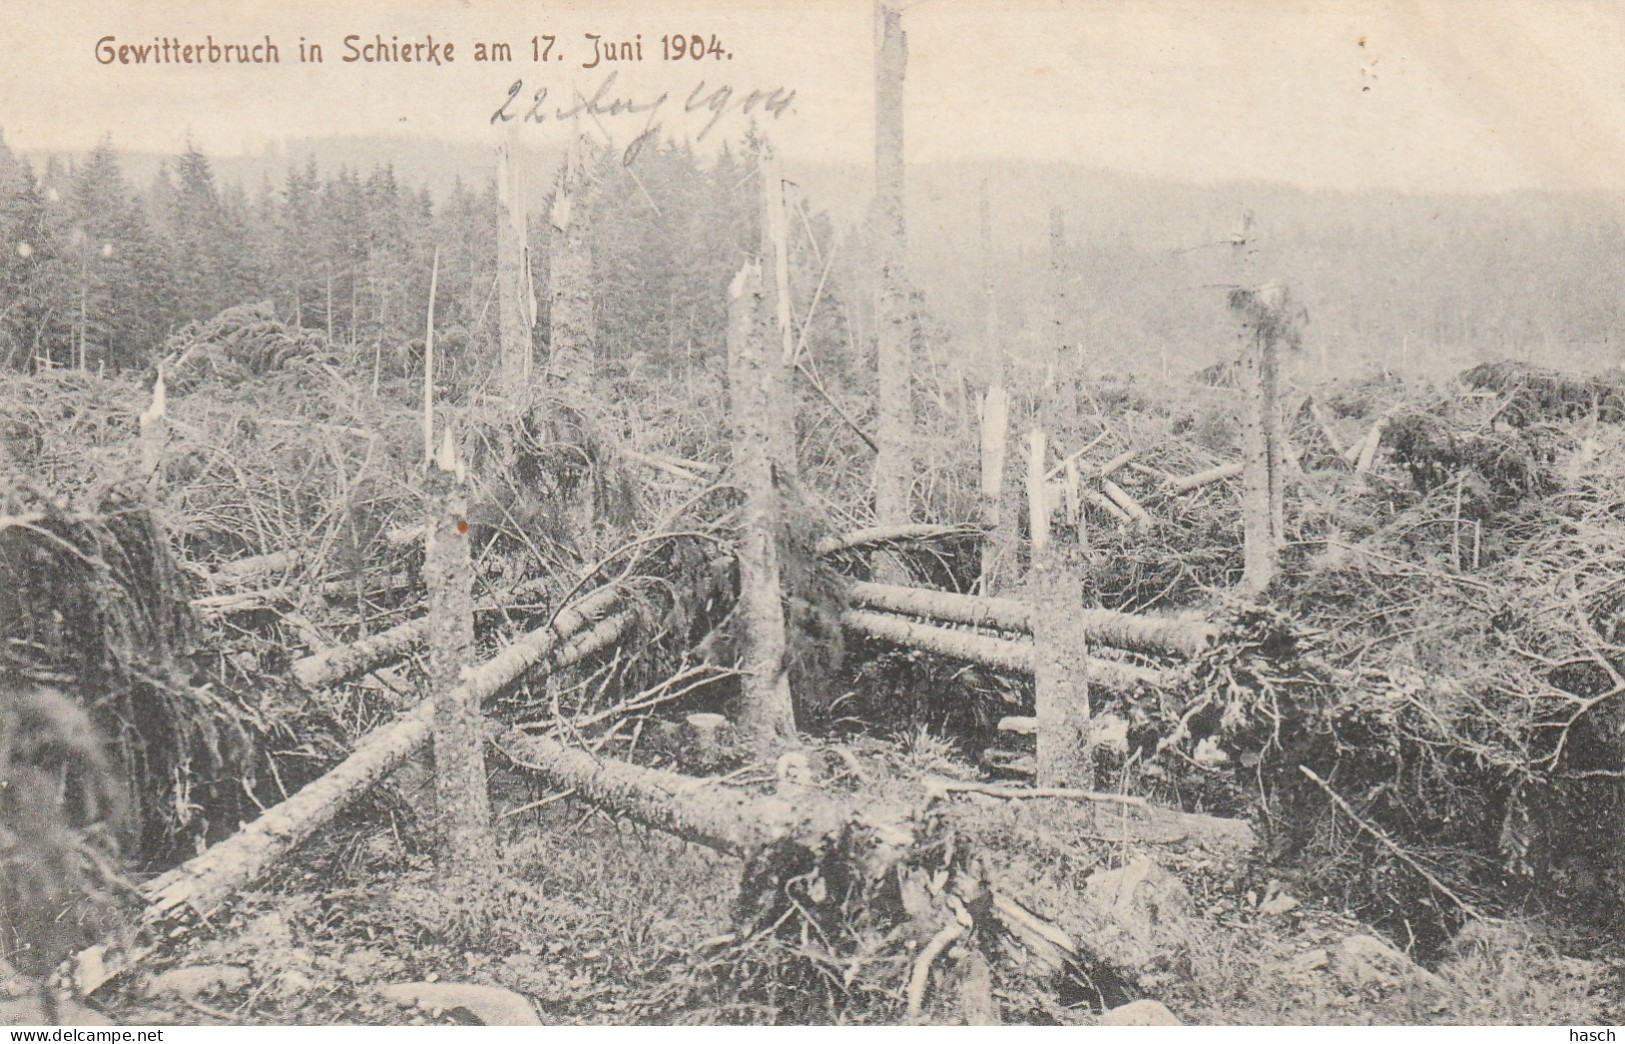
(569, 283)
(467, 846)
(767, 713)
(893, 463)
(516, 305)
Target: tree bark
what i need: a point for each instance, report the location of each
(999, 545)
(779, 352)
(204, 882)
(894, 462)
(1148, 634)
(1218, 473)
(1061, 669)
(1262, 500)
(572, 363)
(343, 662)
(1063, 352)
(1038, 503)
(767, 713)
(998, 653)
(154, 434)
(467, 845)
(516, 307)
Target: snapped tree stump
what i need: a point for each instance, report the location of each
(572, 365)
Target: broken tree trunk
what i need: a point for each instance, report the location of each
(154, 433)
(894, 461)
(1117, 495)
(767, 712)
(1214, 474)
(1061, 668)
(1267, 321)
(467, 847)
(1063, 353)
(865, 848)
(729, 819)
(1261, 485)
(874, 535)
(343, 662)
(201, 884)
(428, 359)
(242, 570)
(1149, 634)
(999, 545)
(998, 653)
(780, 356)
(516, 304)
(1038, 505)
(571, 362)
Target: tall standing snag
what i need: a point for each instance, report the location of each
(768, 713)
(467, 846)
(571, 365)
(893, 463)
(516, 304)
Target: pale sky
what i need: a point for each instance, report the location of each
(1442, 95)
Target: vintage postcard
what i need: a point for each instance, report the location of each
(869, 512)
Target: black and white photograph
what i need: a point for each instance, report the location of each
(897, 513)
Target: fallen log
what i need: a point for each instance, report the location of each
(1101, 502)
(731, 820)
(243, 569)
(343, 662)
(1205, 478)
(688, 470)
(282, 594)
(202, 883)
(890, 535)
(998, 653)
(1150, 634)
